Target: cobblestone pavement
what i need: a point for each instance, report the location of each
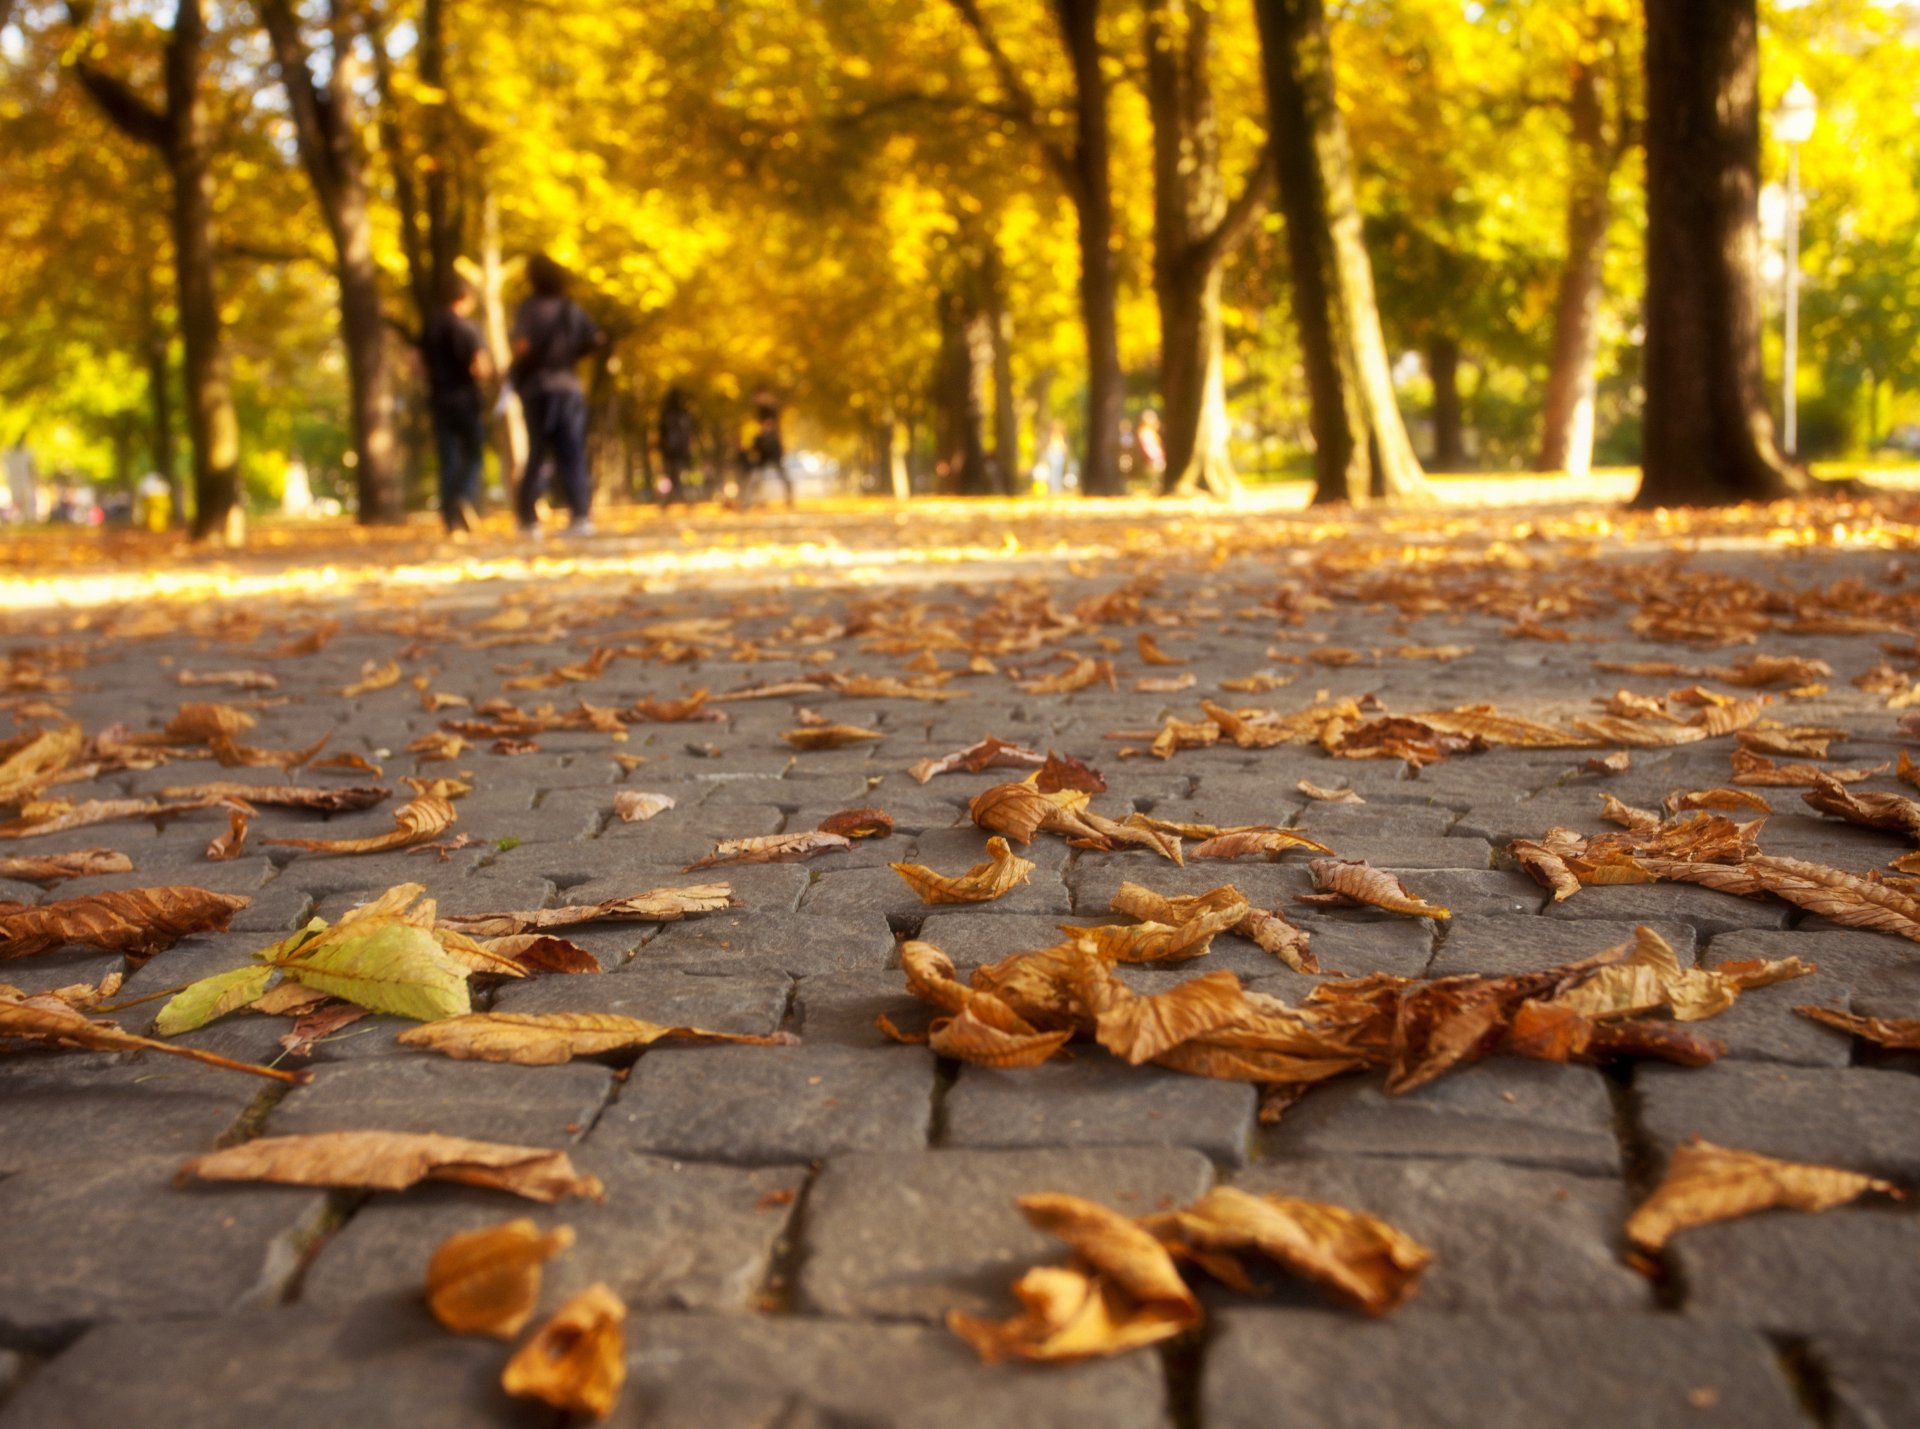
(790, 1225)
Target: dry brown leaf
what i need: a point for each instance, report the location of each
(1137, 1029)
(576, 1361)
(1637, 734)
(1003, 872)
(37, 762)
(637, 806)
(1626, 815)
(1723, 799)
(53, 818)
(546, 1039)
(1846, 898)
(1360, 1258)
(1270, 930)
(1155, 942)
(659, 905)
(1804, 742)
(772, 848)
(1756, 769)
(1165, 684)
(317, 1025)
(989, 753)
(830, 736)
(858, 824)
(1652, 977)
(438, 746)
(1152, 654)
(1017, 810)
(1486, 723)
(373, 677)
(1063, 771)
(1360, 882)
(1267, 843)
(1893, 812)
(1706, 1183)
(232, 679)
(1618, 762)
(1895, 1034)
(1546, 866)
(487, 1282)
(284, 796)
(423, 817)
(393, 1161)
(1085, 673)
(358, 763)
(138, 922)
(1329, 796)
(51, 868)
(203, 723)
(233, 842)
(53, 1020)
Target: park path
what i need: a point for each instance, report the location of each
(790, 1225)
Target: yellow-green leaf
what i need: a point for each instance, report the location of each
(385, 965)
(199, 1003)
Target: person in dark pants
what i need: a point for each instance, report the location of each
(550, 335)
(676, 445)
(766, 453)
(455, 358)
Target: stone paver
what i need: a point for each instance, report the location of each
(791, 1224)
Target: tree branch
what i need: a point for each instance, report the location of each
(141, 121)
(312, 122)
(1238, 220)
(1026, 108)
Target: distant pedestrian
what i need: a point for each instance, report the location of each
(676, 445)
(550, 335)
(766, 453)
(455, 357)
(1150, 451)
(22, 485)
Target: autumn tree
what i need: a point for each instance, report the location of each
(326, 125)
(177, 131)
(1195, 226)
(1708, 432)
(1082, 166)
(1361, 449)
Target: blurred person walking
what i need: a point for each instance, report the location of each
(455, 357)
(766, 453)
(550, 336)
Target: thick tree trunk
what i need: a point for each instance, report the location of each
(328, 138)
(1708, 432)
(1006, 415)
(1361, 448)
(1566, 438)
(1449, 436)
(510, 433)
(162, 450)
(1079, 22)
(966, 367)
(1193, 229)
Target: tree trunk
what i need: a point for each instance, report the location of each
(179, 134)
(510, 435)
(1006, 415)
(1443, 367)
(327, 134)
(162, 450)
(966, 366)
(1361, 448)
(1092, 188)
(1566, 439)
(1193, 230)
(1708, 432)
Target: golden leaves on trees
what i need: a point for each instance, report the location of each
(1706, 1183)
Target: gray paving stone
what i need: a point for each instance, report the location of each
(89, 1237)
(1389, 849)
(1504, 1238)
(1881, 973)
(1707, 912)
(742, 942)
(1355, 943)
(55, 1106)
(1851, 1271)
(242, 1371)
(1491, 1371)
(769, 1105)
(1763, 1026)
(754, 1005)
(838, 1009)
(487, 1101)
(1524, 1113)
(1093, 1099)
(1504, 945)
(692, 1371)
(1874, 1381)
(1382, 816)
(914, 1236)
(669, 1235)
(1474, 893)
(956, 850)
(1861, 1118)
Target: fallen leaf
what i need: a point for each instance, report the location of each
(1706, 1183)
(1722, 799)
(203, 723)
(233, 842)
(36, 819)
(637, 806)
(1267, 843)
(285, 796)
(1360, 1258)
(1618, 762)
(373, 677)
(1152, 654)
(487, 1282)
(421, 818)
(1894, 812)
(234, 679)
(393, 1161)
(1895, 1034)
(547, 1039)
(138, 922)
(989, 753)
(201, 1002)
(438, 746)
(61, 1025)
(1846, 898)
(360, 764)
(576, 1361)
(381, 962)
(659, 905)
(37, 761)
(831, 736)
(1062, 771)
(772, 848)
(319, 1024)
(1137, 1029)
(1003, 872)
(1360, 882)
(858, 824)
(50, 868)
(1329, 796)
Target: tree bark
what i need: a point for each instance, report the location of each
(327, 134)
(1443, 367)
(161, 444)
(1708, 431)
(179, 134)
(510, 434)
(1194, 228)
(1006, 415)
(966, 365)
(1361, 449)
(1566, 438)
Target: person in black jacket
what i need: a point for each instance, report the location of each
(766, 454)
(550, 336)
(455, 358)
(676, 445)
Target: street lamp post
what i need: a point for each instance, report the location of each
(1793, 126)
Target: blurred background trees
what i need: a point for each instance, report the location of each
(959, 241)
